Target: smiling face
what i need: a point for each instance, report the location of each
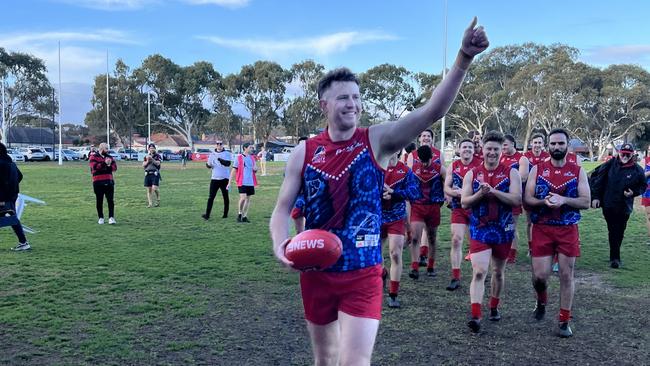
(466, 150)
(425, 138)
(508, 147)
(538, 144)
(341, 103)
(492, 153)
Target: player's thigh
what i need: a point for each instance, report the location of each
(357, 339)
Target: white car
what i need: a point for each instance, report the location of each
(16, 155)
(84, 152)
(33, 153)
(115, 155)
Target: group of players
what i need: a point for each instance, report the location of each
(485, 188)
(350, 182)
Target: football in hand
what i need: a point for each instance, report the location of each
(314, 250)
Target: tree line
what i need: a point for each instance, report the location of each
(517, 89)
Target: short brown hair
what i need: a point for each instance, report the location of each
(495, 136)
(340, 74)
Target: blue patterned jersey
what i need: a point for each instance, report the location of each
(563, 181)
(342, 186)
(430, 181)
(458, 171)
(491, 220)
(405, 187)
(646, 194)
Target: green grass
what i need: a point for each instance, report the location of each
(162, 285)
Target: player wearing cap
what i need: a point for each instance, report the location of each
(490, 190)
(614, 184)
(459, 216)
(556, 192)
(516, 160)
(340, 173)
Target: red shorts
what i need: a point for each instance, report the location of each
(460, 216)
(396, 227)
(296, 213)
(500, 251)
(429, 214)
(357, 293)
(645, 201)
(546, 240)
(517, 210)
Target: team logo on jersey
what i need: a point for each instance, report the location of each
(401, 171)
(501, 175)
(349, 148)
(319, 155)
(546, 173)
(480, 177)
(569, 174)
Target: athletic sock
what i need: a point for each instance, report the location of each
(415, 265)
(542, 297)
(393, 288)
(565, 315)
(455, 273)
(540, 289)
(476, 310)
(494, 302)
(431, 263)
(424, 250)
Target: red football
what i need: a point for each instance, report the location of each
(314, 249)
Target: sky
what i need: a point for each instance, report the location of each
(358, 34)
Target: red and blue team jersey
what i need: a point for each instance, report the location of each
(342, 186)
(646, 194)
(571, 158)
(478, 157)
(491, 220)
(430, 181)
(405, 187)
(435, 156)
(563, 181)
(511, 160)
(534, 159)
(458, 171)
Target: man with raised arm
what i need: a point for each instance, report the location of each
(341, 176)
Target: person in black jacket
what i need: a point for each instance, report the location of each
(10, 177)
(614, 185)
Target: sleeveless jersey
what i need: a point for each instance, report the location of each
(430, 183)
(342, 186)
(435, 156)
(511, 160)
(405, 187)
(646, 194)
(478, 157)
(491, 220)
(571, 158)
(534, 160)
(563, 181)
(458, 171)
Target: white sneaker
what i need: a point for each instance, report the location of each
(22, 246)
(101, 221)
(111, 221)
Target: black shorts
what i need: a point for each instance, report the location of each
(247, 190)
(152, 180)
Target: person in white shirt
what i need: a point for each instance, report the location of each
(261, 156)
(219, 161)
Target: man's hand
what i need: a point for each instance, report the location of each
(628, 193)
(554, 200)
(475, 40)
(595, 203)
(108, 161)
(279, 254)
(484, 189)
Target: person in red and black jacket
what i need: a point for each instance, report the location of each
(102, 167)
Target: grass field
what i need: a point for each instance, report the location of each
(165, 287)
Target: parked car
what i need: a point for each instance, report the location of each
(115, 155)
(201, 155)
(84, 152)
(33, 154)
(169, 155)
(128, 154)
(68, 155)
(16, 155)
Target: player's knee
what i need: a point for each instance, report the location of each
(479, 274)
(456, 241)
(396, 254)
(498, 274)
(539, 284)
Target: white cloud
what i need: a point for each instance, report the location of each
(110, 4)
(19, 40)
(320, 46)
(637, 54)
(232, 4)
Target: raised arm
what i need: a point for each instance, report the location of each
(279, 224)
(387, 138)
